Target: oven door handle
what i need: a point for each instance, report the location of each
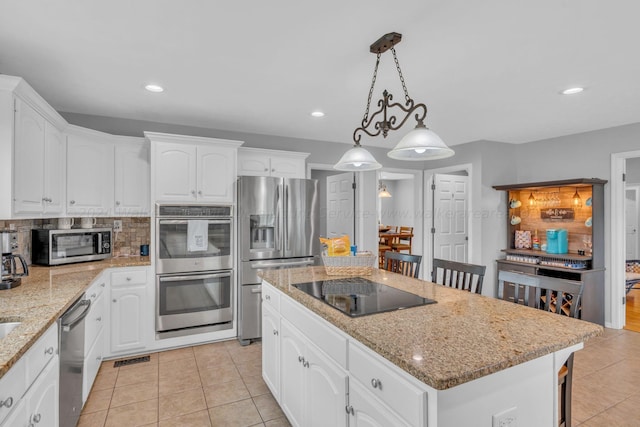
(196, 276)
(184, 221)
(281, 264)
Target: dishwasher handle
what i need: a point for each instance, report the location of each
(66, 327)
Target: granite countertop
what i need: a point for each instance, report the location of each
(42, 297)
(462, 337)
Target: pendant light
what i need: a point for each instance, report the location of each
(382, 191)
(577, 201)
(357, 159)
(532, 200)
(420, 143)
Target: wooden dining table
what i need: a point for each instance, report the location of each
(387, 236)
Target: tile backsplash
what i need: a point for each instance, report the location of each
(135, 232)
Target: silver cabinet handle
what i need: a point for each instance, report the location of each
(72, 202)
(349, 409)
(99, 319)
(128, 279)
(376, 383)
(305, 364)
(102, 285)
(300, 359)
(115, 300)
(267, 297)
(49, 350)
(193, 192)
(266, 169)
(275, 332)
(200, 192)
(93, 295)
(36, 418)
(7, 403)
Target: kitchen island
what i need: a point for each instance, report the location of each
(460, 361)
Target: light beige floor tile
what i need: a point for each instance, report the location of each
(590, 398)
(134, 414)
(255, 385)
(278, 422)
(178, 368)
(138, 374)
(98, 400)
(177, 354)
(196, 419)
(134, 393)
(176, 384)
(105, 379)
(93, 419)
(237, 414)
(220, 394)
(250, 369)
(212, 360)
(624, 414)
(207, 349)
(219, 374)
(182, 403)
(268, 407)
(623, 376)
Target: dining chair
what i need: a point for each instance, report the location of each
(405, 264)
(402, 242)
(458, 275)
(557, 296)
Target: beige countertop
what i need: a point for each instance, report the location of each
(462, 337)
(42, 297)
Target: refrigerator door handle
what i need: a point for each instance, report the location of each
(285, 210)
(278, 231)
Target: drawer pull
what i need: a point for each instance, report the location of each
(305, 364)
(93, 295)
(99, 319)
(376, 383)
(102, 285)
(49, 350)
(128, 279)
(7, 403)
(267, 297)
(349, 409)
(275, 332)
(300, 359)
(36, 418)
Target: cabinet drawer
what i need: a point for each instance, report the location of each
(45, 349)
(271, 297)
(132, 277)
(386, 384)
(316, 330)
(96, 289)
(92, 363)
(12, 387)
(93, 323)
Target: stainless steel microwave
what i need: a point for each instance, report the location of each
(54, 247)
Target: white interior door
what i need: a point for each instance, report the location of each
(631, 221)
(450, 202)
(340, 200)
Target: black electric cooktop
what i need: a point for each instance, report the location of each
(359, 297)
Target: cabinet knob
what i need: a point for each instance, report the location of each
(115, 300)
(193, 192)
(7, 403)
(300, 359)
(349, 409)
(267, 297)
(93, 295)
(37, 418)
(99, 319)
(376, 383)
(72, 202)
(49, 350)
(305, 364)
(102, 285)
(128, 279)
(275, 332)
(273, 170)
(117, 203)
(266, 169)
(200, 192)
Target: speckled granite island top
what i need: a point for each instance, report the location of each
(42, 297)
(460, 338)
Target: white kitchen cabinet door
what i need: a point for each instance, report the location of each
(132, 176)
(365, 410)
(287, 167)
(276, 163)
(42, 397)
(175, 172)
(292, 370)
(253, 164)
(89, 175)
(55, 162)
(128, 317)
(28, 168)
(19, 416)
(216, 174)
(271, 349)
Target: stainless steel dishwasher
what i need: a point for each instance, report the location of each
(72, 361)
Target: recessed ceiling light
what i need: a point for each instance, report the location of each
(572, 91)
(154, 88)
(317, 114)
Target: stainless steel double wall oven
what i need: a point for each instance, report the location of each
(194, 269)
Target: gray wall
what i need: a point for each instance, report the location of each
(633, 171)
(399, 209)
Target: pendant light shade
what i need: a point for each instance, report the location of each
(382, 191)
(421, 144)
(357, 159)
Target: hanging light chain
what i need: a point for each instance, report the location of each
(404, 86)
(373, 83)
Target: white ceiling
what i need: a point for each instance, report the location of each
(487, 70)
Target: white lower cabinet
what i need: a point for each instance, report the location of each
(271, 349)
(129, 311)
(313, 387)
(367, 411)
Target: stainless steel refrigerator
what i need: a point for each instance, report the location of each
(277, 228)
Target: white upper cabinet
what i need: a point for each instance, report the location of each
(132, 177)
(90, 172)
(33, 150)
(193, 169)
(261, 162)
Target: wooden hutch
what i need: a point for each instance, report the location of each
(540, 206)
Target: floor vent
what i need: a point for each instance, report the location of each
(126, 362)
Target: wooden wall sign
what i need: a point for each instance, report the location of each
(557, 214)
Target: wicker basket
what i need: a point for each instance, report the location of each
(361, 265)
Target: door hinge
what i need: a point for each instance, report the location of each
(353, 185)
(624, 300)
(624, 177)
(433, 186)
(433, 230)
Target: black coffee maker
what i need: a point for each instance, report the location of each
(10, 274)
